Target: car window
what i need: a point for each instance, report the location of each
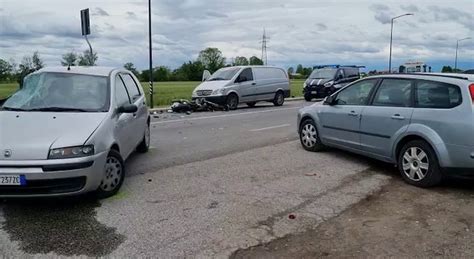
(246, 74)
(131, 85)
(431, 94)
(121, 93)
(394, 93)
(356, 94)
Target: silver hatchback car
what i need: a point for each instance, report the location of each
(68, 131)
(421, 122)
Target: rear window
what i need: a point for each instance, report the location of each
(430, 94)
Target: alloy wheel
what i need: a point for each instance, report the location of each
(415, 164)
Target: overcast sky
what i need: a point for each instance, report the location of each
(301, 31)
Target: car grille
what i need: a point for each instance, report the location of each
(45, 187)
(204, 92)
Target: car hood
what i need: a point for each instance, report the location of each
(212, 85)
(318, 81)
(30, 135)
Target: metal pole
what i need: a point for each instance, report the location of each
(91, 57)
(151, 54)
(390, 58)
(456, 59)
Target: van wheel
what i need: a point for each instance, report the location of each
(418, 164)
(113, 175)
(309, 136)
(251, 104)
(308, 97)
(144, 146)
(279, 99)
(232, 101)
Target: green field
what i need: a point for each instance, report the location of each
(165, 92)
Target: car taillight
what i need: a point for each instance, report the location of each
(471, 90)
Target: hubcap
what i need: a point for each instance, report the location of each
(113, 174)
(309, 135)
(415, 164)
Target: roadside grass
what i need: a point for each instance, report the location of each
(165, 92)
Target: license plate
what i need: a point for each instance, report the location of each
(314, 92)
(12, 180)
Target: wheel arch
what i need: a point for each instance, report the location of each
(421, 132)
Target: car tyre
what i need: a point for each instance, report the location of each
(232, 101)
(418, 164)
(251, 104)
(309, 136)
(279, 99)
(144, 146)
(114, 175)
(308, 97)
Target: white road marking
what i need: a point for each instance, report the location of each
(272, 127)
(224, 115)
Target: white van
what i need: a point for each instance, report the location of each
(244, 84)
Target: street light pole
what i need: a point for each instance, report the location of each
(151, 54)
(391, 40)
(457, 47)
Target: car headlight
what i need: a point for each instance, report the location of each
(305, 84)
(71, 152)
(218, 91)
(329, 84)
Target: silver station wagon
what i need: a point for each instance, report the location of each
(68, 131)
(423, 123)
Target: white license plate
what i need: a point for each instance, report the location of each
(12, 180)
(314, 92)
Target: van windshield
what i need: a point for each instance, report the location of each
(60, 92)
(323, 73)
(224, 74)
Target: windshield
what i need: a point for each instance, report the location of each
(323, 73)
(224, 74)
(60, 92)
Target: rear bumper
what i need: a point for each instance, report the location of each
(46, 178)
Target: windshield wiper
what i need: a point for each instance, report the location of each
(13, 109)
(58, 109)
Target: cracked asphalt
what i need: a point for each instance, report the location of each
(214, 185)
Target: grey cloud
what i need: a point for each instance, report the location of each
(131, 15)
(216, 14)
(383, 17)
(321, 26)
(444, 14)
(379, 7)
(100, 12)
(409, 8)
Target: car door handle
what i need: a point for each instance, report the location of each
(353, 113)
(398, 117)
(254, 83)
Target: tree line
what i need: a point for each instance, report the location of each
(208, 59)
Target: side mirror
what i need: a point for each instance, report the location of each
(330, 100)
(339, 78)
(128, 108)
(205, 75)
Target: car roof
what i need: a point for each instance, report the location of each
(432, 76)
(94, 71)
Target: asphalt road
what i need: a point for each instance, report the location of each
(213, 184)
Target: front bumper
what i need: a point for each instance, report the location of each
(321, 90)
(218, 99)
(62, 177)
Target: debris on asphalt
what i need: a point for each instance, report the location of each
(292, 216)
(199, 105)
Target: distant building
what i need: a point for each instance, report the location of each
(414, 67)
